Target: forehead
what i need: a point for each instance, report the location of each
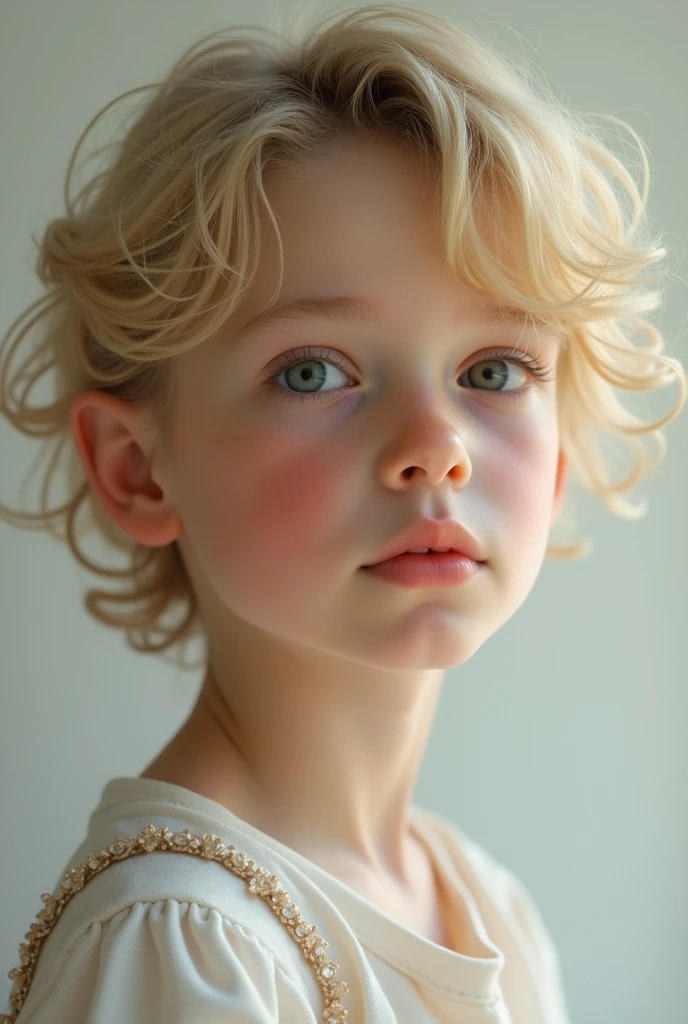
(360, 240)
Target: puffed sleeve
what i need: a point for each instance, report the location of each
(166, 962)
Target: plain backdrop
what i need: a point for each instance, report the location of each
(560, 746)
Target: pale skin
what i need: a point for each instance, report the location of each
(321, 684)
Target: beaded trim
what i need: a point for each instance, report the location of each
(210, 847)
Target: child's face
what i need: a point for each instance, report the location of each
(283, 499)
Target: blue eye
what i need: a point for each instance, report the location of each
(303, 357)
(317, 356)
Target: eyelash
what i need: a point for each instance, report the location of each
(534, 367)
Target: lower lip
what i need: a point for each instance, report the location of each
(443, 569)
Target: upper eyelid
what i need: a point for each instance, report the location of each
(320, 352)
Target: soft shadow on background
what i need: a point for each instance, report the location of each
(560, 746)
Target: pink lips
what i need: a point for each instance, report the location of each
(438, 569)
(430, 533)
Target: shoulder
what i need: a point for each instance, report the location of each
(509, 909)
(485, 875)
(161, 930)
(163, 961)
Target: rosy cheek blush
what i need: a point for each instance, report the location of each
(275, 520)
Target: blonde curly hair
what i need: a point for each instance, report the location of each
(161, 246)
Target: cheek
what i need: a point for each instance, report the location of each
(263, 516)
(518, 486)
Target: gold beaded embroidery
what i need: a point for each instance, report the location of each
(211, 848)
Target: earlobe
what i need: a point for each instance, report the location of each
(116, 451)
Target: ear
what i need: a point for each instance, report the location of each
(560, 485)
(117, 444)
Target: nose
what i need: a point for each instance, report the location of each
(434, 454)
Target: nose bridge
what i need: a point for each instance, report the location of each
(420, 393)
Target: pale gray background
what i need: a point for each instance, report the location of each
(560, 745)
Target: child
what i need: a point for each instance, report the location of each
(449, 316)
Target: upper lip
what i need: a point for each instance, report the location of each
(428, 533)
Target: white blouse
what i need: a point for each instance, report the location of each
(171, 938)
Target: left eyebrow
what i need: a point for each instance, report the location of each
(362, 309)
